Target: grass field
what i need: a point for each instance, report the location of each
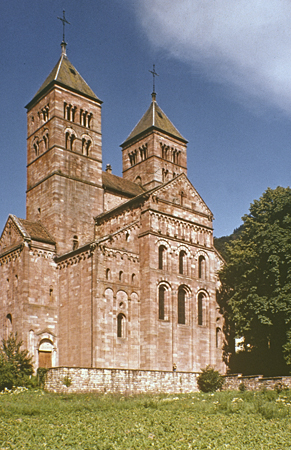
(36, 420)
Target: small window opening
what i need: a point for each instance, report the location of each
(107, 274)
(120, 326)
(120, 275)
(201, 267)
(8, 325)
(75, 242)
(181, 306)
(200, 308)
(162, 290)
(182, 255)
(162, 250)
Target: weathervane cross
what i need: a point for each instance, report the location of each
(64, 20)
(154, 75)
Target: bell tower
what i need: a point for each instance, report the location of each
(64, 157)
(155, 151)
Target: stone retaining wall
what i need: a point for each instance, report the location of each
(121, 381)
(255, 383)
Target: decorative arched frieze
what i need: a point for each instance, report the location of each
(74, 260)
(11, 256)
(113, 253)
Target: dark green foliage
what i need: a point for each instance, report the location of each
(209, 380)
(41, 376)
(256, 288)
(15, 364)
(67, 381)
(221, 243)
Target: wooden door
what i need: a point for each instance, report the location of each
(44, 359)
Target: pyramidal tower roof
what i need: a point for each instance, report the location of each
(154, 118)
(64, 74)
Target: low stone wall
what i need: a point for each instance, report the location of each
(255, 383)
(122, 381)
(119, 381)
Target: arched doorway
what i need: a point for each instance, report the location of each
(45, 352)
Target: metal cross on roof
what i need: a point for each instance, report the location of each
(64, 20)
(154, 75)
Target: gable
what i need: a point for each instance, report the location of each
(11, 236)
(180, 191)
(17, 230)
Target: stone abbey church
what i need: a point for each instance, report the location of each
(107, 271)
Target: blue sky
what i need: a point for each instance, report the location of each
(224, 81)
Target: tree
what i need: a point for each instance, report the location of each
(221, 243)
(255, 294)
(16, 365)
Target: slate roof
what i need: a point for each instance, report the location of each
(33, 230)
(117, 184)
(65, 74)
(154, 118)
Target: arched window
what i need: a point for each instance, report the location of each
(107, 274)
(8, 325)
(46, 140)
(36, 146)
(162, 250)
(120, 275)
(69, 112)
(86, 144)
(201, 297)
(202, 267)
(133, 278)
(162, 291)
(75, 242)
(182, 258)
(51, 295)
(181, 306)
(69, 139)
(120, 325)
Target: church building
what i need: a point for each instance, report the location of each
(108, 271)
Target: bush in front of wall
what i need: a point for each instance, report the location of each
(210, 380)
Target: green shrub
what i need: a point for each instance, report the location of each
(209, 380)
(41, 376)
(280, 387)
(67, 381)
(242, 387)
(16, 367)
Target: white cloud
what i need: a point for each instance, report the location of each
(243, 42)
